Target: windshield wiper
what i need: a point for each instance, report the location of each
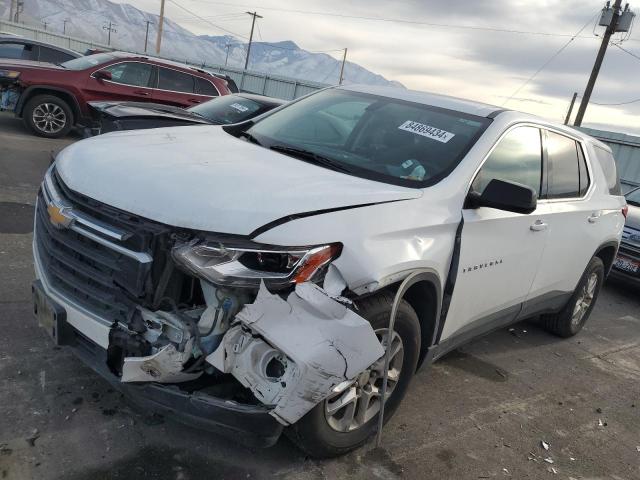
(311, 157)
(60, 65)
(250, 137)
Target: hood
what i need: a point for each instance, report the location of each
(201, 177)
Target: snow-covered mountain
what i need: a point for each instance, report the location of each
(89, 19)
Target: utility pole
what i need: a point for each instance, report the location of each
(610, 30)
(109, 29)
(19, 10)
(573, 101)
(226, 59)
(64, 26)
(160, 25)
(253, 24)
(344, 60)
(45, 25)
(11, 10)
(146, 35)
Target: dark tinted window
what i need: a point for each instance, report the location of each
(633, 197)
(564, 176)
(517, 158)
(228, 109)
(16, 51)
(608, 164)
(130, 73)
(584, 173)
(205, 87)
(53, 56)
(175, 81)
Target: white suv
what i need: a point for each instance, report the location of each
(242, 277)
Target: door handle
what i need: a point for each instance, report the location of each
(593, 218)
(141, 92)
(538, 226)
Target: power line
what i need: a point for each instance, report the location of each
(637, 57)
(544, 65)
(207, 21)
(401, 20)
(616, 104)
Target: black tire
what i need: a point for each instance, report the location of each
(562, 323)
(313, 434)
(48, 104)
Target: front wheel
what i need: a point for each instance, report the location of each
(48, 116)
(345, 420)
(575, 314)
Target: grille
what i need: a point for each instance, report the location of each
(90, 269)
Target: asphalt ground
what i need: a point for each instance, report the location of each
(481, 412)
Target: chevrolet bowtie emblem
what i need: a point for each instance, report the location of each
(57, 217)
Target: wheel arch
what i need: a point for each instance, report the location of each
(424, 294)
(61, 93)
(607, 253)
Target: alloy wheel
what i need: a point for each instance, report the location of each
(584, 300)
(49, 118)
(354, 406)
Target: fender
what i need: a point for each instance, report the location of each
(610, 244)
(27, 93)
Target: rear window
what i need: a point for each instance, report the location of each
(228, 109)
(564, 171)
(175, 81)
(16, 51)
(608, 164)
(53, 56)
(205, 87)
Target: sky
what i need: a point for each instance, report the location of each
(449, 58)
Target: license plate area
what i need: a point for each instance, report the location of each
(51, 316)
(626, 265)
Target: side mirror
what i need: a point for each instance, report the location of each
(503, 195)
(102, 75)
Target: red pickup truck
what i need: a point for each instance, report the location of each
(51, 99)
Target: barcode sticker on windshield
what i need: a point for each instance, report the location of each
(427, 131)
(240, 108)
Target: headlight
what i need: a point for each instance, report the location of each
(11, 74)
(247, 266)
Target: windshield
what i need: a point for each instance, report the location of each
(89, 61)
(375, 137)
(227, 109)
(633, 197)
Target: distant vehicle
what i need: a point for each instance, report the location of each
(53, 98)
(18, 48)
(627, 264)
(115, 116)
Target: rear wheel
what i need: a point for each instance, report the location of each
(346, 420)
(575, 314)
(48, 116)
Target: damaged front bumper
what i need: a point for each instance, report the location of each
(248, 424)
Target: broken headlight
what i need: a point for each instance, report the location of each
(248, 265)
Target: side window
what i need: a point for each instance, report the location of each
(205, 87)
(564, 173)
(517, 158)
(175, 81)
(130, 73)
(16, 51)
(608, 164)
(584, 173)
(53, 56)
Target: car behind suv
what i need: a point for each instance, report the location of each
(53, 98)
(242, 277)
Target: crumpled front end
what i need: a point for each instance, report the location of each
(214, 321)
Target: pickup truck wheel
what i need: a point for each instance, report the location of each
(574, 315)
(345, 420)
(48, 116)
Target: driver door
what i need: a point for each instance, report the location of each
(500, 250)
